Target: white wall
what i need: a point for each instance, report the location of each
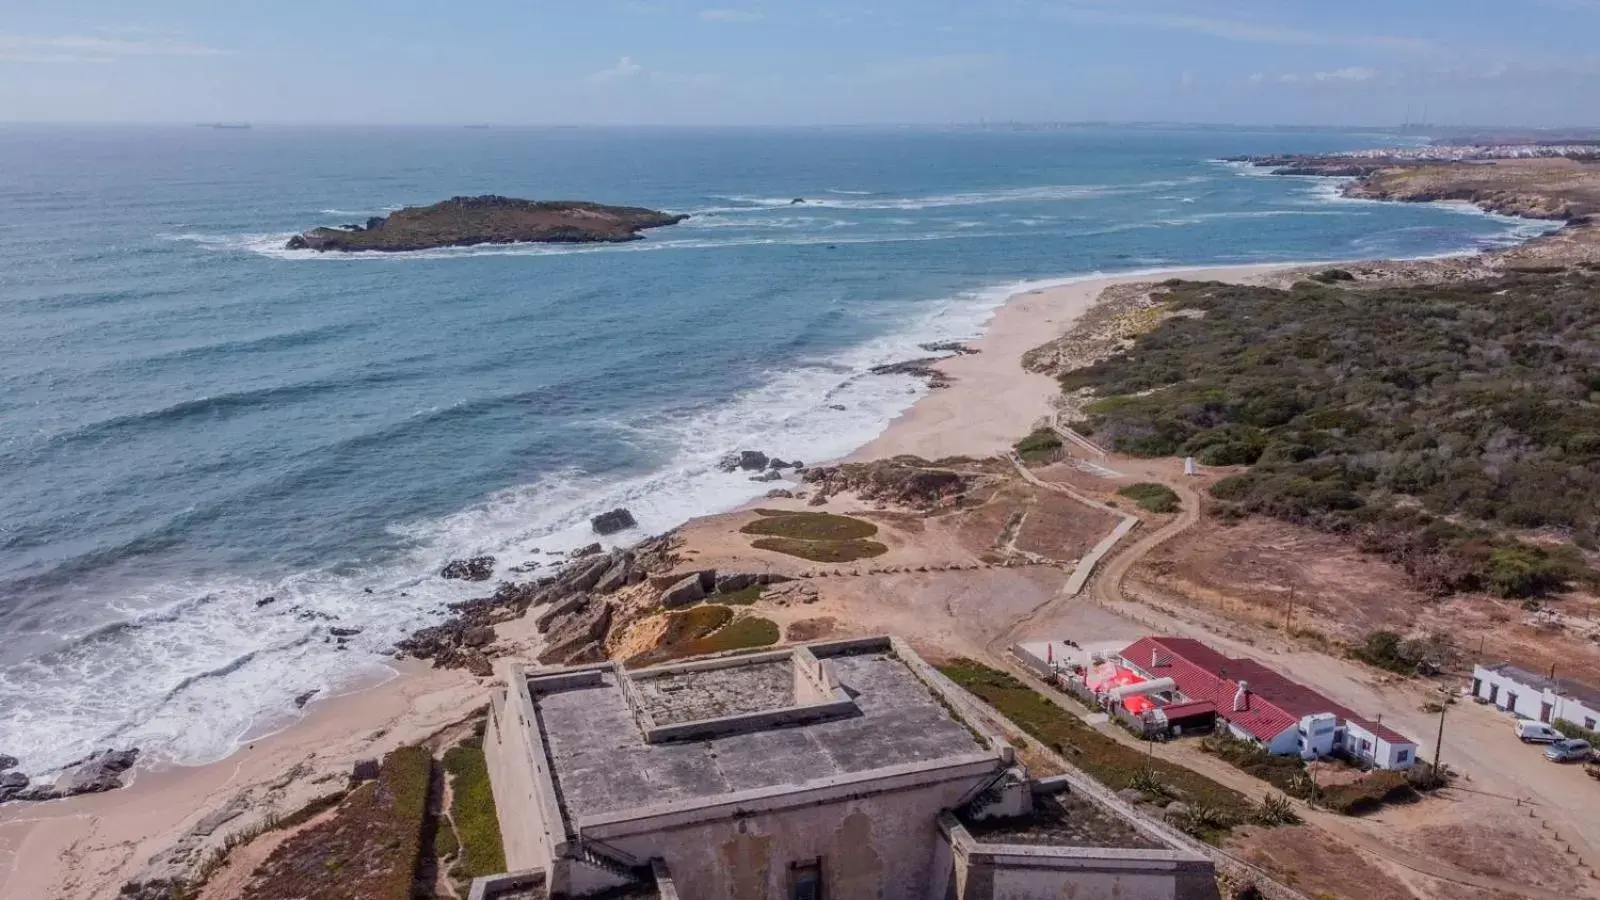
(883, 846)
(1530, 701)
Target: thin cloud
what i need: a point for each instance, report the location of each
(921, 68)
(95, 49)
(730, 15)
(1245, 30)
(1348, 74)
(625, 70)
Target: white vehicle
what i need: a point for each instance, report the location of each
(1532, 732)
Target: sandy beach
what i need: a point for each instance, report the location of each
(993, 401)
(88, 847)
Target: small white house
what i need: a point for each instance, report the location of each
(1528, 695)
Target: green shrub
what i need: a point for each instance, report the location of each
(1330, 276)
(1574, 730)
(1419, 656)
(473, 811)
(1523, 571)
(1152, 497)
(1042, 446)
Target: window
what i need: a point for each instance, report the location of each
(1402, 756)
(805, 880)
(1588, 724)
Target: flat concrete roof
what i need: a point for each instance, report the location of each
(601, 761)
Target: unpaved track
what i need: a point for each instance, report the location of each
(1106, 589)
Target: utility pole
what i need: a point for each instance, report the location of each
(1438, 746)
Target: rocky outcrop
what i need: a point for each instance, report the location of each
(688, 590)
(490, 219)
(96, 773)
(466, 640)
(613, 522)
(478, 568)
(579, 639)
(916, 368)
(903, 480)
(8, 762)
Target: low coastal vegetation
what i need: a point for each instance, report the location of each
(1042, 446)
(1152, 497)
(711, 627)
(814, 536)
(1212, 809)
(1431, 423)
(370, 848)
(472, 812)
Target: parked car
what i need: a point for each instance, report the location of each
(1533, 732)
(1569, 751)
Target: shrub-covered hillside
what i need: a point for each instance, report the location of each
(1379, 413)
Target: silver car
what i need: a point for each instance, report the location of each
(1569, 751)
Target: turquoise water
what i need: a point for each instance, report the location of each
(193, 419)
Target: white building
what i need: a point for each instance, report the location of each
(1528, 695)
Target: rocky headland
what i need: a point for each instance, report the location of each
(490, 219)
(1553, 189)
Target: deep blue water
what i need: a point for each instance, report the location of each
(192, 418)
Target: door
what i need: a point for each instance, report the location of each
(1477, 687)
(1511, 700)
(1494, 693)
(1544, 713)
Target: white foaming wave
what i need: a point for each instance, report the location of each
(782, 222)
(347, 212)
(970, 198)
(854, 193)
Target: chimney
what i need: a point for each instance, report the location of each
(1241, 699)
(1153, 661)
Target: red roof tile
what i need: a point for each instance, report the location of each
(1273, 703)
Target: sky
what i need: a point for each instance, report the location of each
(784, 62)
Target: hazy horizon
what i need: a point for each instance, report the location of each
(1247, 63)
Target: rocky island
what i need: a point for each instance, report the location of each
(490, 219)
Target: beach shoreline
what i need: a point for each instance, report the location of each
(105, 840)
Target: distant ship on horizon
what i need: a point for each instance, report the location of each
(229, 125)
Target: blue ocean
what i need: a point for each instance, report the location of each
(194, 419)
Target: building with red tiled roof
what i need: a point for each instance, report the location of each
(1259, 705)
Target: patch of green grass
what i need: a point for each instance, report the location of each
(472, 808)
(1152, 497)
(743, 597)
(1042, 446)
(1113, 764)
(822, 551)
(743, 634)
(811, 526)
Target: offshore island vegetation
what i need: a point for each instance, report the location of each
(489, 219)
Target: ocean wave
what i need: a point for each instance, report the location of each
(190, 669)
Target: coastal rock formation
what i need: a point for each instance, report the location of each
(490, 219)
(903, 480)
(98, 772)
(8, 762)
(613, 522)
(916, 368)
(467, 639)
(578, 639)
(685, 591)
(478, 568)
